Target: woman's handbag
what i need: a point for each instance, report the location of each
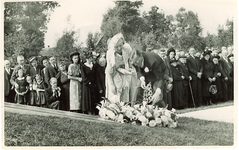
(169, 86)
(213, 89)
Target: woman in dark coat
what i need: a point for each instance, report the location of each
(219, 94)
(208, 78)
(177, 91)
(64, 84)
(89, 89)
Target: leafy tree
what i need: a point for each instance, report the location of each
(26, 20)
(210, 40)
(125, 18)
(68, 42)
(16, 44)
(27, 15)
(225, 35)
(95, 42)
(64, 45)
(223, 38)
(90, 42)
(111, 27)
(159, 26)
(188, 31)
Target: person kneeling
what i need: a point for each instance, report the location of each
(53, 94)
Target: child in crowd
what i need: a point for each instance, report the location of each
(21, 89)
(40, 88)
(53, 94)
(32, 94)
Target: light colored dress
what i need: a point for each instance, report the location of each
(75, 87)
(125, 84)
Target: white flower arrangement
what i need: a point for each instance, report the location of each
(144, 114)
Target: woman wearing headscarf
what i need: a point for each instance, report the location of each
(121, 79)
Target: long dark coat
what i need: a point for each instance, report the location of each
(64, 84)
(88, 101)
(100, 78)
(194, 66)
(226, 69)
(184, 71)
(49, 73)
(38, 70)
(167, 97)
(8, 92)
(209, 71)
(177, 91)
(218, 82)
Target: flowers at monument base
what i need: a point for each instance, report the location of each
(140, 114)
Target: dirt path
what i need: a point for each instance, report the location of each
(224, 114)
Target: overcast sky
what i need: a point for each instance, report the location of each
(87, 15)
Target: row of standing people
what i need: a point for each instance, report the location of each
(128, 71)
(197, 81)
(72, 87)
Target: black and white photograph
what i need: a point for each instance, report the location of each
(100, 74)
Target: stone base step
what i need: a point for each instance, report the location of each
(32, 110)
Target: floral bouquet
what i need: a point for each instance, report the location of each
(141, 114)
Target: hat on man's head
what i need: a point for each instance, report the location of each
(88, 54)
(74, 53)
(216, 56)
(32, 58)
(170, 50)
(62, 63)
(172, 61)
(182, 56)
(231, 55)
(206, 53)
(44, 58)
(162, 50)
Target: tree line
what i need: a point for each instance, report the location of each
(25, 25)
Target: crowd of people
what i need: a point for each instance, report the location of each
(161, 77)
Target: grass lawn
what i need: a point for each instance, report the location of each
(32, 130)
(220, 104)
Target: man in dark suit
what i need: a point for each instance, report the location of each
(8, 91)
(195, 70)
(185, 72)
(168, 77)
(226, 69)
(100, 79)
(51, 70)
(150, 68)
(21, 64)
(53, 94)
(35, 67)
(231, 78)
